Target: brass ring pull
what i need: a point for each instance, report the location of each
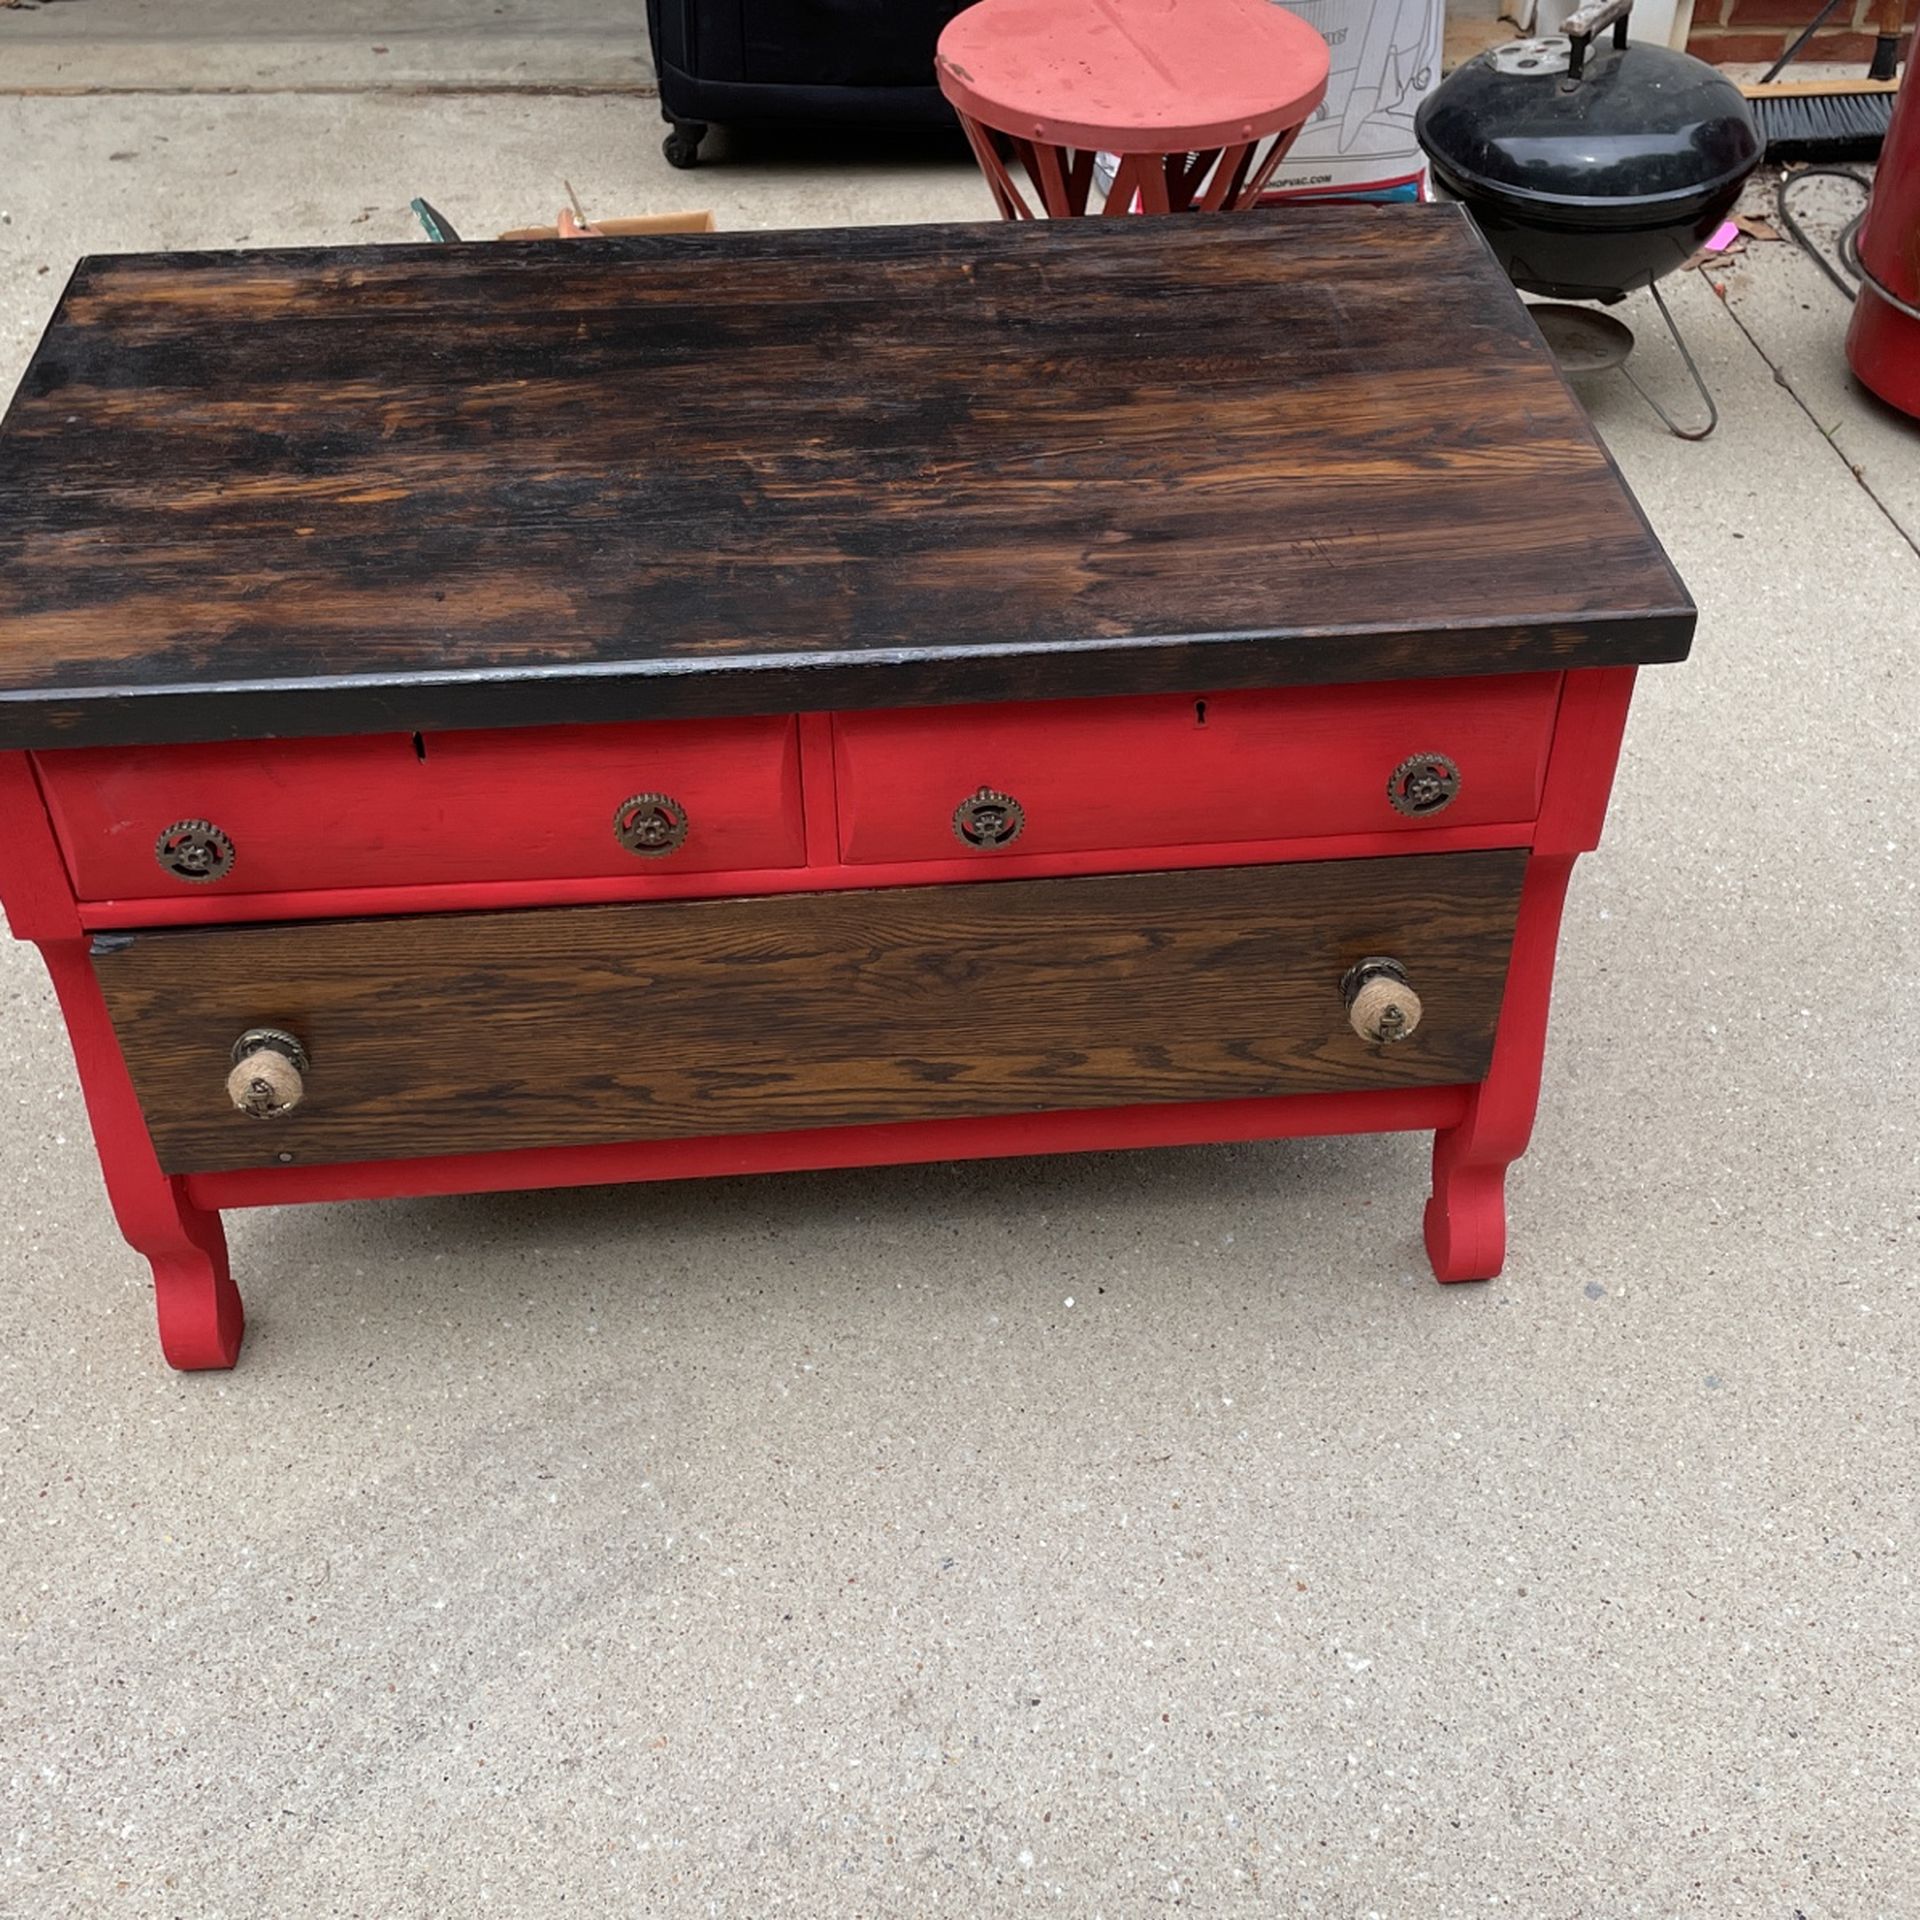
(1382, 1006)
(269, 1074)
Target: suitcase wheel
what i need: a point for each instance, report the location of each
(682, 144)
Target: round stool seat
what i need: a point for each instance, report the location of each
(1133, 76)
(1182, 93)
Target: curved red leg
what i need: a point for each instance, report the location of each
(1466, 1219)
(201, 1320)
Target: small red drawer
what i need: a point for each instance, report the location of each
(376, 810)
(1291, 763)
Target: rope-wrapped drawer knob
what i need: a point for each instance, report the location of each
(269, 1074)
(1381, 1004)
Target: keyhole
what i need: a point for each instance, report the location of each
(1199, 713)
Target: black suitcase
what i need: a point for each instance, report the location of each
(838, 62)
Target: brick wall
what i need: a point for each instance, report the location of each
(1732, 30)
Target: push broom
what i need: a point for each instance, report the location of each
(1830, 119)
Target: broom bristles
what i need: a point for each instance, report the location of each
(1829, 126)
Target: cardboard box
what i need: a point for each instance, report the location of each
(701, 222)
(1386, 60)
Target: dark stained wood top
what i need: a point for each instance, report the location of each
(342, 490)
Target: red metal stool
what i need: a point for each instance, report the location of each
(1182, 92)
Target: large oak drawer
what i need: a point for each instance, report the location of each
(1166, 770)
(465, 1032)
(531, 803)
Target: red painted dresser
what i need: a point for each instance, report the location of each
(520, 715)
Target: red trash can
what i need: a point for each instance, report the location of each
(1883, 342)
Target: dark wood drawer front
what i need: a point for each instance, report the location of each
(462, 1033)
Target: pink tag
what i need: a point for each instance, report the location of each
(1722, 237)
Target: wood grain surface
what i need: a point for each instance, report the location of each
(467, 1032)
(356, 490)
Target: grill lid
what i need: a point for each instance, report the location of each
(1556, 122)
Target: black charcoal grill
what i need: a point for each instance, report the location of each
(1592, 172)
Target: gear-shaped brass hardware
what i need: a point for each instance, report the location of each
(194, 850)
(1424, 783)
(650, 824)
(987, 819)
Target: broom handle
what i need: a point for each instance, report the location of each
(1818, 21)
(1886, 46)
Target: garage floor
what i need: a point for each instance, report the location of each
(276, 45)
(1100, 1536)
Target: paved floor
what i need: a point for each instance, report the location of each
(256, 46)
(1109, 1536)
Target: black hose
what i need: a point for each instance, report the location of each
(1847, 232)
